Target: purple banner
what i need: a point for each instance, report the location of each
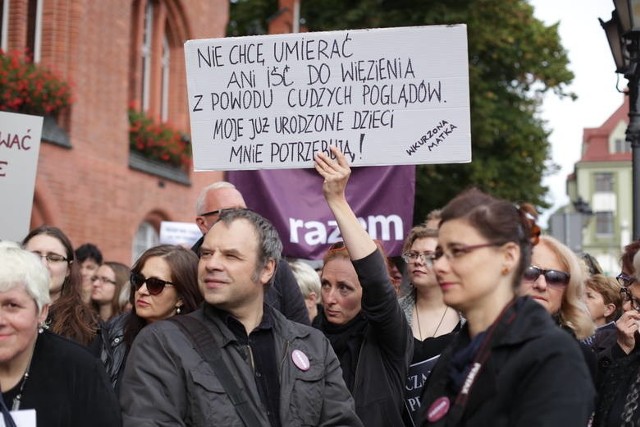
(382, 198)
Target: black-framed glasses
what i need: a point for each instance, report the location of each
(154, 285)
(411, 257)
(456, 251)
(51, 257)
(625, 280)
(103, 279)
(552, 277)
(626, 295)
(216, 212)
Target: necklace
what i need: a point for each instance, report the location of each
(446, 307)
(17, 400)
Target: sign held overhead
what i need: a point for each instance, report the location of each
(388, 96)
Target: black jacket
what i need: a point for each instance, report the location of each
(67, 386)
(535, 375)
(283, 294)
(386, 350)
(616, 373)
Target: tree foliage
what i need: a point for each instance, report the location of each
(250, 17)
(513, 60)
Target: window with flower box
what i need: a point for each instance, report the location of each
(159, 31)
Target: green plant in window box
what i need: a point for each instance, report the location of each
(29, 88)
(158, 141)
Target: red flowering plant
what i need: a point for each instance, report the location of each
(29, 88)
(158, 141)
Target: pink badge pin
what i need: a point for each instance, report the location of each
(300, 360)
(438, 409)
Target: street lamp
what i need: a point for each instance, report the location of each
(623, 34)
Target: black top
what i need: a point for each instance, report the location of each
(430, 347)
(385, 347)
(67, 386)
(261, 346)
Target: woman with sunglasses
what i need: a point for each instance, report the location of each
(509, 365)
(362, 319)
(555, 279)
(432, 321)
(164, 283)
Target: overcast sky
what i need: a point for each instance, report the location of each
(595, 83)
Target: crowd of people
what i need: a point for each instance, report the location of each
(491, 323)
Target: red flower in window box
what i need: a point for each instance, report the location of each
(158, 141)
(28, 88)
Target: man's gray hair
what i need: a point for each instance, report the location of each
(269, 243)
(203, 194)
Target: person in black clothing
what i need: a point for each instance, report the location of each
(618, 381)
(284, 294)
(509, 365)
(362, 318)
(555, 279)
(164, 283)
(434, 324)
(39, 370)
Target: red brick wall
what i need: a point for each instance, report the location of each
(89, 190)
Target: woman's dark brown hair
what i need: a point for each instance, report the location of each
(498, 221)
(184, 276)
(69, 316)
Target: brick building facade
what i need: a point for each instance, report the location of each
(115, 54)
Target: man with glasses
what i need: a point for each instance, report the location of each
(256, 369)
(284, 294)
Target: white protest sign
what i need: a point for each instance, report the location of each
(22, 418)
(386, 96)
(179, 233)
(19, 149)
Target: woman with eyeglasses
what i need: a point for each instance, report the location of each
(618, 380)
(432, 321)
(164, 283)
(509, 365)
(108, 281)
(362, 319)
(68, 316)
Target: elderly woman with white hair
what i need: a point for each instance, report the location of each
(48, 377)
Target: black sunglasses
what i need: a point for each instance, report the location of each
(628, 296)
(552, 277)
(154, 285)
(625, 280)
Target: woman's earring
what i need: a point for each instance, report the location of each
(178, 309)
(40, 328)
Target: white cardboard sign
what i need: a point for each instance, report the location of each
(388, 96)
(19, 149)
(179, 233)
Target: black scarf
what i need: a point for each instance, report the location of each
(346, 341)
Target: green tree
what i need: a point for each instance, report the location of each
(513, 60)
(250, 17)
